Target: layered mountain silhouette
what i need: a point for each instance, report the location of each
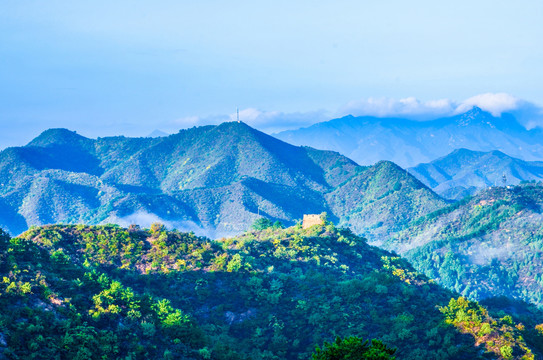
(407, 143)
(464, 172)
(215, 180)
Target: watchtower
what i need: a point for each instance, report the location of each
(312, 219)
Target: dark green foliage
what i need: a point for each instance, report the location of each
(464, 172)
(354, 348)
(380, 200)
(269, 294)
(472, 318)
(262, 224)
(57, 305)
(483, 246)
(4, 240)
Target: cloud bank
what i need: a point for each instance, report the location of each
(528, 114)
(407, 107)
(496, 104)
(267, 121)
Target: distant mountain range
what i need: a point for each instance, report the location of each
(215, 180)
(464, 172)
(157, 133)
(408, 143)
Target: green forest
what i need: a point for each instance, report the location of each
(106, 292)
(484, 246)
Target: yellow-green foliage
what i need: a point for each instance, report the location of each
(498, 336)
(104, 292)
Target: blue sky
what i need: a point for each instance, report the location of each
(129, 67)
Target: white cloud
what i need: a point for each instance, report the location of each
(275, 121)
(190, 121)
(407, 107)
(528, 114)
(145, 219)
(496, 104)
(255, 116)
(187, 121)
(266, 121)
(142, 218)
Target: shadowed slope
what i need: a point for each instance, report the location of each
(464, 172)
(218, 179)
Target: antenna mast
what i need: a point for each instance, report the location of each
(237, 111)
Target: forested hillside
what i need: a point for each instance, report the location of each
(104, 292)
(381, 200)
(464, 172)
(487, 245)
(214, 180)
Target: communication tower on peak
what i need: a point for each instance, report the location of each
(237, 111)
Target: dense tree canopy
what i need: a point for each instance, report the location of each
(104, 292)
(354, 348)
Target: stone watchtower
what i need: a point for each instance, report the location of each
(312, 219)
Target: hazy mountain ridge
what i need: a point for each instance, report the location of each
(464, 172)
(487, 245)
(408, 143)
(218, 179)
(384, 196)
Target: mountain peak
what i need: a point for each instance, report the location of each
(157, 133)
(475, 115)
(475, 110)
(236, 129)
(465, 172)
(234, 125)
(478, 116)
(58, 136)
(460, 151)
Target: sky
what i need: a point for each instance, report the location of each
(129, 66)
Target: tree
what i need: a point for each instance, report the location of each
(324, 218)
(354, 348)
(4, 240)
(506, 351)
(157, 228)
(262, 224)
